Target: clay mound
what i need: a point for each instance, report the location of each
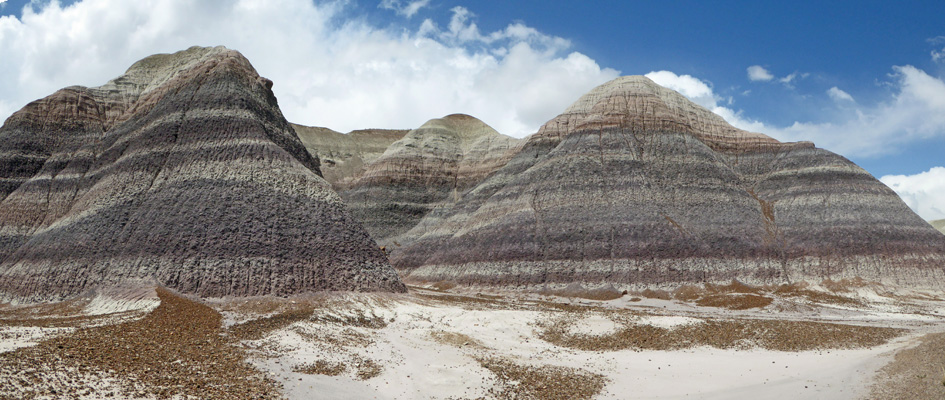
(182, 172)
(344, 156)
(635, 184)
(432, 165)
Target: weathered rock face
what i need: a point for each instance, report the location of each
(634, 184)
(344, 156)
(429, 167)
(182, 172)
(939, 224)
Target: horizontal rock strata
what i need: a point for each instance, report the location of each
(430, 166)
(182, 172)
(634, 184)
(344, 156)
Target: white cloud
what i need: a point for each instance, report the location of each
(328, 70)
(759, 73)
(938, 55)
(693, 88)
(923, 192)
(915, 112)
(788, 81)
(839, 95)
(407, 9)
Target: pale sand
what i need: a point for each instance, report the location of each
(416, 365)
(428, 346)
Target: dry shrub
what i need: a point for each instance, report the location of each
(321, 367)
(543, 382)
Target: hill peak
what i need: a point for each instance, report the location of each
(639, 104)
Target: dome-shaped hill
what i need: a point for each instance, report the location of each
(635, 184)
(183, 173)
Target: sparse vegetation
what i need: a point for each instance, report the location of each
(519, 381)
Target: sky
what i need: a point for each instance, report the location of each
(865, 79)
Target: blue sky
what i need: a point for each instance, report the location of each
(865, 79)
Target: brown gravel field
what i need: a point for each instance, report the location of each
(177, 350)
(917, 373)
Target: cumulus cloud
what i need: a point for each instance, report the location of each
(759, 73)
(839, 95)
(915, 112)
(407, 9)
(329, 70)
(693, 88)
(923, 192)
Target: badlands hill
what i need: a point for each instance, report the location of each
(345, 156)
(635, 184)
(182, 172)
(430, 166)
(939, 224)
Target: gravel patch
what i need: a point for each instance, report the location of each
(723, 334)
(177, 350)
(518, 381)
(916, 373)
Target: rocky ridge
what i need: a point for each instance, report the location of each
(182, 172)
(431, 165)
(635, 184)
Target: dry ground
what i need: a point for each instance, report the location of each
(716, 341)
